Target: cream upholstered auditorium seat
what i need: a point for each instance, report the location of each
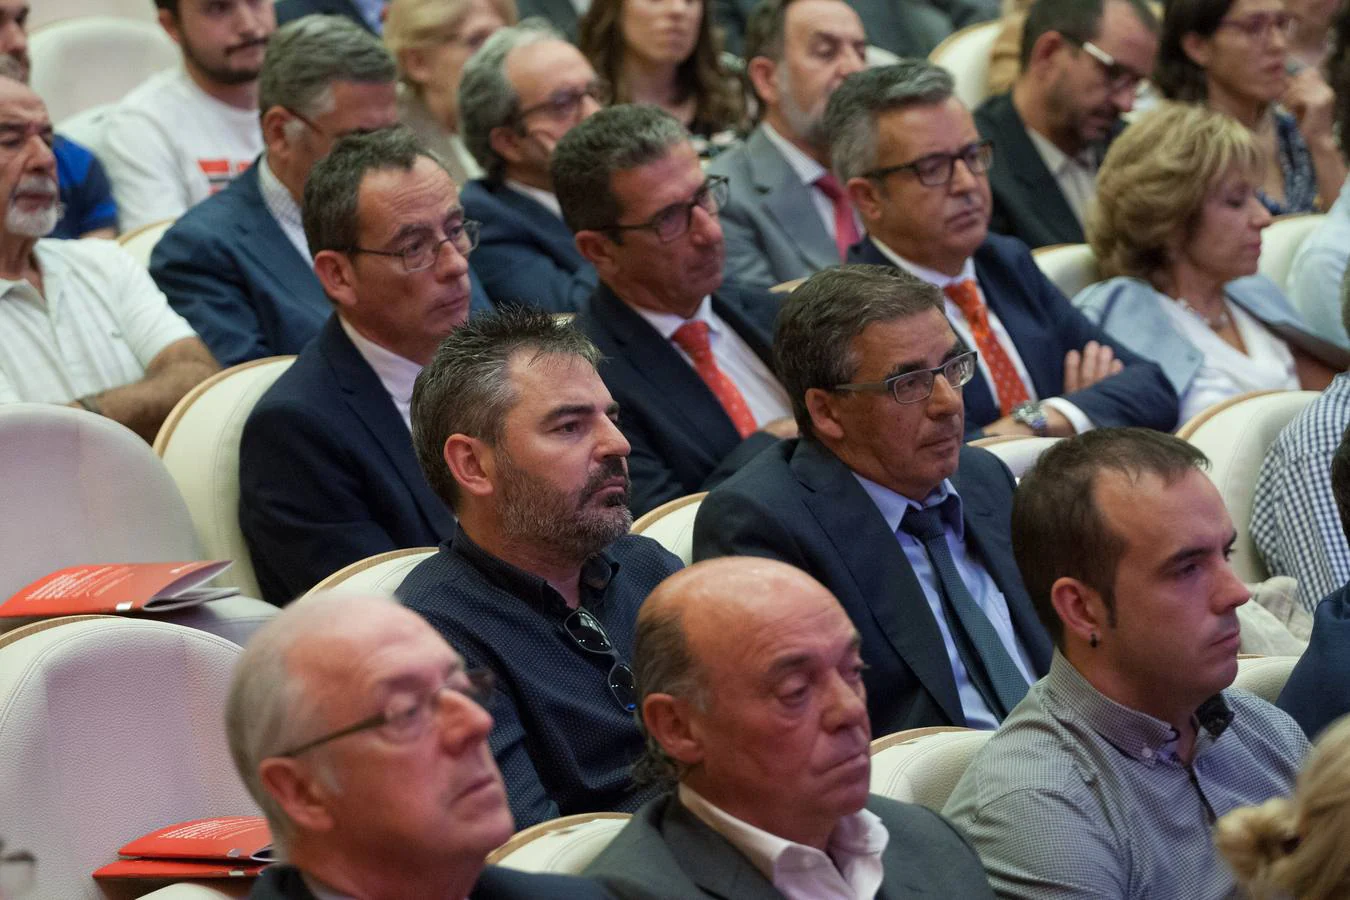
(191, 890)
(49, 11)
(1280, 242)
(1070, 267)
(965, 53)
(562, 846)
(378, 574)
(1264, 676)
(1235, 434)
(81, 63)
(199, 443)
(79, 488)
(1019, 453)
(140, 242)
(672, 525)
(109, 729)
(923, 765)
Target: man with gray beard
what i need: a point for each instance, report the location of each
(82, 323)
(787, 215)
(541, 582)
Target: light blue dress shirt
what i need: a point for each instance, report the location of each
(1315, 275)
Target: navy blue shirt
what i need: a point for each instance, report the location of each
(560, 737)
(86, 195)
(1318, 690)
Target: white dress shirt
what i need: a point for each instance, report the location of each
(1077, 418)
(546, 199)
(850, 870)
(809, 171)
(762, 392)
(283, 208)
(395, 372)
(1076, 176)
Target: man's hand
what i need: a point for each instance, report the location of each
(784, 428)
(1083, 370)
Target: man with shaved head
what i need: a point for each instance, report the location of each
(359, 732)
(751, 698)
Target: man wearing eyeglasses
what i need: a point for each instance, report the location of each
(883, 502)
(917, 171)
(363, 737)
(521, 92)
(327, 474)
(686, 355)
(1082, 63)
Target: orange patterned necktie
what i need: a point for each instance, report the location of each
(692, 337)
(1008, 384)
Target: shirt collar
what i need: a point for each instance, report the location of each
(395, 372)
(806, 168)
(282, 205)
(666, 324)
(932, 276)
(547, 199)
(1056, 160)
(50, 264)
(893, 506)
(596, 575)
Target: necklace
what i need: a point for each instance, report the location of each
(1216, 323)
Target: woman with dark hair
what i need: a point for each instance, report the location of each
(1233, 56)
(666, 53)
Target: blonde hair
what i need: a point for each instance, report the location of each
(1297, 847)
(1154, 181)
(418, 24)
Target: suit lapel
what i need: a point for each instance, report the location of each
(1025, 163)
(710, 860)
(789, 202)
(275, 253)
(755, 337)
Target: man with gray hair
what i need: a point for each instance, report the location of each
(362, 736)
(540, 582)
(907, 151)
(750, 692)
(519, 94)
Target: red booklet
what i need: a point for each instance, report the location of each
(178, 869)
(225, 847)
(118, 587)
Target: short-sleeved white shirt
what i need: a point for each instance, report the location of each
(100, 324)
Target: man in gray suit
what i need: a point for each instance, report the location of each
(787, 215)
(751, 699)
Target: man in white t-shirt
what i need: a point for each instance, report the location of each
(81, 322)
(184, 133)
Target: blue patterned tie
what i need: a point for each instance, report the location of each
(991, 664)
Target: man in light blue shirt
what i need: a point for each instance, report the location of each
(1319, 265)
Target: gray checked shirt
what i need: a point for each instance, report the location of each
(1077, 796)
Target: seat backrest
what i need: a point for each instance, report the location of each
(562, 846)
(1070, 267)
(672, 525)
(199, 443)
(1018, 453)
(1280, 242)
(965, 53)
(85, 62)
(1264, 676)
(925, 768)
(1236, 438)
(110, 728)
(43, 14)
(378, 574)
(140, 242)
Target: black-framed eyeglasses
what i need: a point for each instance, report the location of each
(565, 105)
(1119, 77)
(422, 251)
(18, 872)
(406, 717)
(587, 633)
(674, 220)
(1260, 26)
(914, 387)
(936, 169)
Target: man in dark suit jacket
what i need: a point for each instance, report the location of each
(290, 10)
(520, 93)
(836, 503)
(752, 699)
(686, 356)
(917, 171)
(1081, 66)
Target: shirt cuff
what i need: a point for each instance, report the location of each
(1077, 418)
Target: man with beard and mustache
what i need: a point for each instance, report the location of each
(81, 321)
(1082, 63)
(787, 216)
(540, 583)
(686, 355)
(185, 133)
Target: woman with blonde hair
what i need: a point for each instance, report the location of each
(1297, 847)
(430, 41)
(1176, 229)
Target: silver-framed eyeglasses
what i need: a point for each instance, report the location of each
(674, 221)
(421, 250)
(406, 717)
(564, 105)
(1119, 77)
(914, 387)
(936, 169)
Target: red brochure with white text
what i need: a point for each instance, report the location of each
(118, 588)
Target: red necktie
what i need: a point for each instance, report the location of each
(845, 229)
(1007, 383)
(692, 338)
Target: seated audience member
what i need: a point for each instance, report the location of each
(80, 322)
(431, 40)
(897, 135)
(1231, 55)
(237, 265)
(327, 474)
(1177, 233)
(787, 216)
(1106, 780)
(900, 27)
(520, 94)
(1082, 63)
(750, 694)
(540, 583)
(667, 54)
(363, 738)
(1295, 846)
(185, 133)
(686, 356)
(871, 501)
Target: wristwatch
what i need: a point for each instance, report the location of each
(1032, 415)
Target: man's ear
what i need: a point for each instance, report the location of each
(867, 197)
(505, 141)
(334, 271)
(823, 408)
(1046, 46)
(297, 791)
(599, 250)
(274, 123)
(763, 75)
(169, 22)
(668, 722)
(416, 64)
(1082, 610)
(1198, 48)
(471, 463)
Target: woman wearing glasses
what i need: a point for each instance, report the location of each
(1177, 233)
(1233, 56)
